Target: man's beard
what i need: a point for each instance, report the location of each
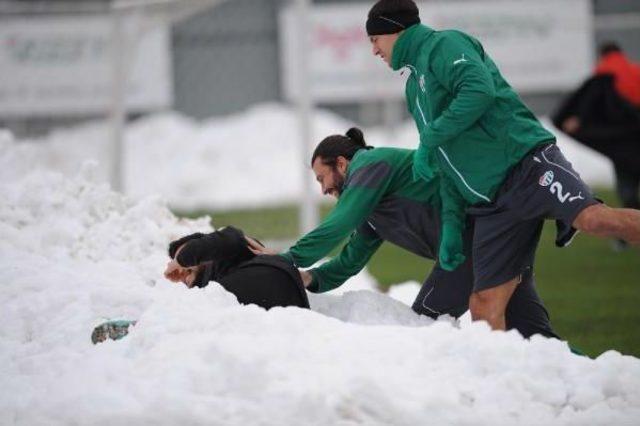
(338, 180)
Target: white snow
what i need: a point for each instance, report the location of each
(192, 164)
(405, 292)
(72, 253)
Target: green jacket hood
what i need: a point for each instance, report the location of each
(407, 47)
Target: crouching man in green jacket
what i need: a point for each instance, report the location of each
(378, 200)
(478, 137)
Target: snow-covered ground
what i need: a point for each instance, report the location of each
(245, 160)
(73, 252)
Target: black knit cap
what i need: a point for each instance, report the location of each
(392, 16)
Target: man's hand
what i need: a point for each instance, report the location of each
(257, 248)
(175, 272)
(571, 125)
(451, 262)
(306, 276)
(450, 254)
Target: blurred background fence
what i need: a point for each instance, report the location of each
(228, 57)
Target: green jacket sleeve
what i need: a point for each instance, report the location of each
(459, 67)
(352, 258)
(364, 188)
(453, 204)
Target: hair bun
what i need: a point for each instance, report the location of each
(357, 136)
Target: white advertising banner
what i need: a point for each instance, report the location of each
(341, 65)
(62, 65)
(545, 45)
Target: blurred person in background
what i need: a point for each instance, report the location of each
(378, 200)
(626, 74)
(604, 114)
(489, 153)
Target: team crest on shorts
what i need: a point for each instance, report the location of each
(546, 179)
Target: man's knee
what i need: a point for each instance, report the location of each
(491, 304)
(484, 307)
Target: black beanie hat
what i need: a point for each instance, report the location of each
(392, 16)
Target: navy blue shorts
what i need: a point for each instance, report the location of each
(448, 292)
(543, 185)
(445, 292)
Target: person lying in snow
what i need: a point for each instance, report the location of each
(223, 256)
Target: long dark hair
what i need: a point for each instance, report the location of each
(335, 146)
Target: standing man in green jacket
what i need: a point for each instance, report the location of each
(484, 144)
(378, 200)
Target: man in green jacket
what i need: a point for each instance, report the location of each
(491, 155)
(378, 200)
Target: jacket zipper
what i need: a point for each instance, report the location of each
(444, 154)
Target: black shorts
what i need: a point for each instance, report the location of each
(448, 292)
(543, 185)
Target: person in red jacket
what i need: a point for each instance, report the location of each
(626, 74)
(605, 115)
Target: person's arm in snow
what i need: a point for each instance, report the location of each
(223, 245)
(459, 67)
(363, 190)
(450, 254)
(175, 245)
(352, 258)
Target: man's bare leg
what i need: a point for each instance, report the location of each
(490, 304)
(604, 221)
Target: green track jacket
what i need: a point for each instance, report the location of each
(380, 201)
(473, 126)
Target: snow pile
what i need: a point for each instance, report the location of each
(72, 251)
(405, 292)
(244, 160)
